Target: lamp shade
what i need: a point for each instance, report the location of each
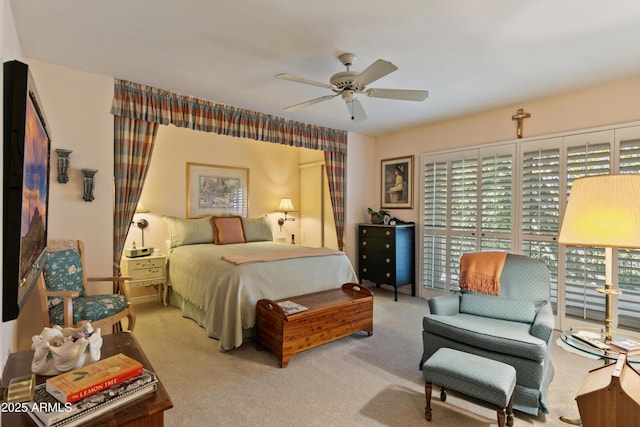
(141, 209)
(604, 211)
(285, 205)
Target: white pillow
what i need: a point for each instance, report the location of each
(257, 229)
(189, 231)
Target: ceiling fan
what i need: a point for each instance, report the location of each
(349, 83)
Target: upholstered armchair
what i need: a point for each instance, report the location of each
(514, 327)
(62, 287)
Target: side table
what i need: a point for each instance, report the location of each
(146, 271)
(146, 411)
(608, 356)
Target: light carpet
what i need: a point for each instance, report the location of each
(355, 381)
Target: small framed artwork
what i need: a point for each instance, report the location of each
(217, 190)
(396, 187)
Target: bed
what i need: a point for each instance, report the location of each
(219, 267)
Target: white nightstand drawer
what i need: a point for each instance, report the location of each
(147, 273)
(145, 283)
(136, 263)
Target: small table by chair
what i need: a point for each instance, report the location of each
(148, 411)
(609, 355)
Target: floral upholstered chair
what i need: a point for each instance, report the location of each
(63, 291)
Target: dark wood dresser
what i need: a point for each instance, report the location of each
(386, 255)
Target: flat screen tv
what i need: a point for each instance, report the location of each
(27, 146)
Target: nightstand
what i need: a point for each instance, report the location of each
(146, 271)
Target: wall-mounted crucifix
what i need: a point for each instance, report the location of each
(520, 116)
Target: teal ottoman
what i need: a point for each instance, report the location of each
(484, 379)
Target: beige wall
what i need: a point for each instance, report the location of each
(598, 106)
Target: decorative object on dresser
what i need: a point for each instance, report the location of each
(325, 316)
(396, 186)
(58, 350)
(377, 217)
(386, 255)
(146, 271)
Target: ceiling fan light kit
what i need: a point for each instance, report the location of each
(349, 83)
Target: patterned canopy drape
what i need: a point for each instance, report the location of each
(152, 106)
(133, 146)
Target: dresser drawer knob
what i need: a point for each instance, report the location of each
(364, 270)
(364, 231)
(364, 243)
(364, 257)
(388, 274)
(387, 246)
(388, 260)
(387, 232)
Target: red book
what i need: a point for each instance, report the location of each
(87, 380)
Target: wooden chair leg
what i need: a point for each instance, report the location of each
(501, 417)
(510, 411)
(427, 394)
(443, 394)
(132, 318)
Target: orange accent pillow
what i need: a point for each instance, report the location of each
(227, 229)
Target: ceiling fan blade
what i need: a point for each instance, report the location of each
(297, 79)
(402, 94)
(310, 102)
(373, 72)
(355, 110)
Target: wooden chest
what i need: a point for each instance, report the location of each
(330, 315)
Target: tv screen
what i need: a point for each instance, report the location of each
(27, 145)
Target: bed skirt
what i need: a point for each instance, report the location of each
(198, 315)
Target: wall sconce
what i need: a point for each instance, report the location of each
(89, 184)
(63, 164)
(286, 206)
(142, 223)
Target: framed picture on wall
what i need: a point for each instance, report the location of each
(396, 187)
(217, 190)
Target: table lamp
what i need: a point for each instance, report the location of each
(604, 211)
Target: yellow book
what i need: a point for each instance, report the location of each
(87, 380)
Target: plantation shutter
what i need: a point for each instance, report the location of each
(435, 225)
(497, 202)
(541, 208)
(585, 269)
(629, 261)
(467, 207)
(464, 213)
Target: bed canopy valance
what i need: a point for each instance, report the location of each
(139, 110)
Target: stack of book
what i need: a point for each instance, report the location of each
(626, 345)
(78, 396)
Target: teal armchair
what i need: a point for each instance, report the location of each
(515, 328)
(62, 287)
